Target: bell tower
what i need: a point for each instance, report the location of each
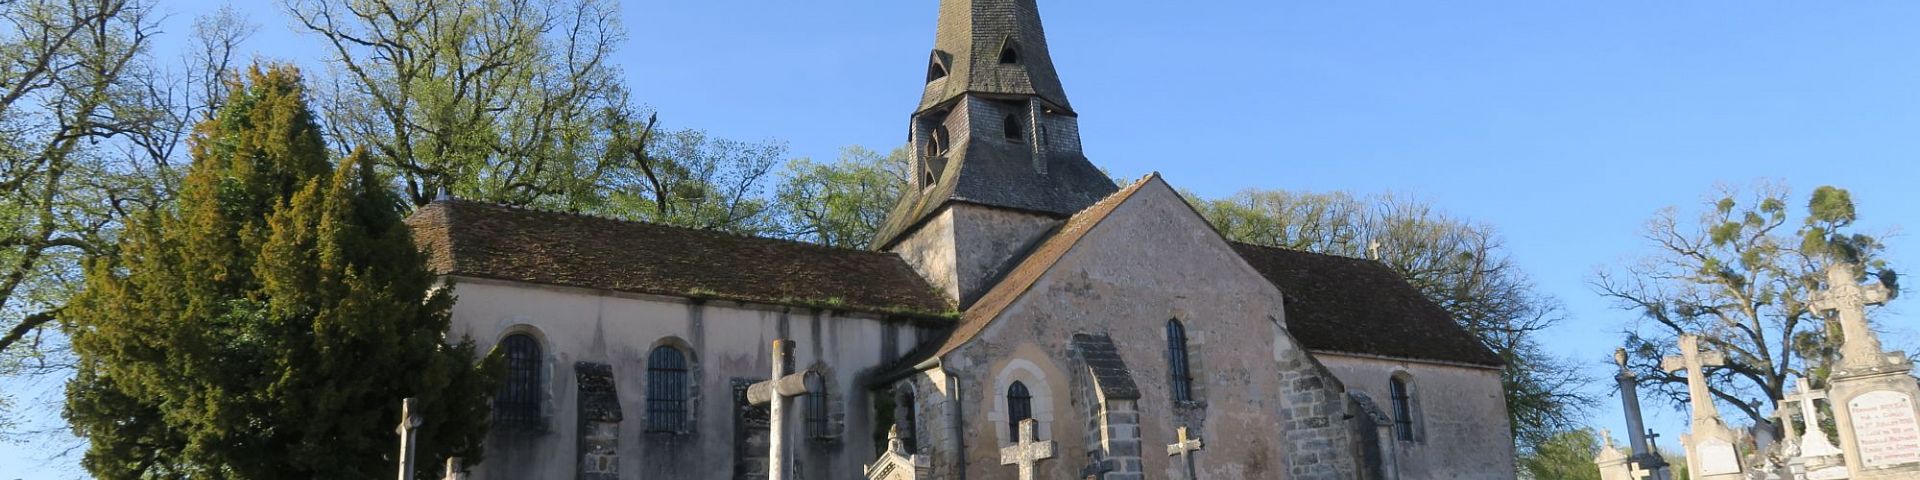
(996, 150)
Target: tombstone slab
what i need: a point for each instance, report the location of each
(1873, 391)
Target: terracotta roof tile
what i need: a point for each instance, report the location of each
(476, 239)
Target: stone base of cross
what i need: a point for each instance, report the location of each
(776, 394)
(1027, 451)
(1185, 448)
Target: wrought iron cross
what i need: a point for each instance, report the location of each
(1185, 449)
(1026, 451)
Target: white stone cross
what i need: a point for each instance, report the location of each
(1026, 450)
(1813, 443)
(1846, 296)
(410, 420)
(1185, 448)
(1695, 362)
(776, 394)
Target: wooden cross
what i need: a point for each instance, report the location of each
(1850, 300)
(410, 420)
(1185, 448)
(776, 394)
(1026, 451)
(1695, 362)
(1814, 442)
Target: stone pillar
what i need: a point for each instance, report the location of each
(1643, 456)
(598, 445)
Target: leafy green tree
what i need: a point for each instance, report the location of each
(498, 100)
(841, 204)
(269, 324)
(1459, 265)
(1740, 274)
(1567, 455)
(691, 179)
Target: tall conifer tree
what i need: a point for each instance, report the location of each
(269, 325)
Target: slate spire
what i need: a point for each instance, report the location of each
(991, 47)
(993, 128)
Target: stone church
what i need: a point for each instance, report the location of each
(1014, 285)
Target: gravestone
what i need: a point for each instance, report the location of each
(1611, 461)
(1873, 391)
(1710, 451)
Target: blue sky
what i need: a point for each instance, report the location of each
(1567, 125)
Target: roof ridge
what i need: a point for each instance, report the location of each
(646, 223)
(1308, 252)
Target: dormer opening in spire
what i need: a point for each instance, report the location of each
(936, 69)
(1010, 52)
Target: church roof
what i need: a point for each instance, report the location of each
(1334, 304)
(1352, 305)
(483, 240)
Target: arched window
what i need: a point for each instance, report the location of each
(1402, 394)
(667, 390)
(1010, 53)
(1014, 130)
(816, 406)
(518, 403)
(1180, 375)
(1019, 407)
(936, 142)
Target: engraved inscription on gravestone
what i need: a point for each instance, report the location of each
(1885, 428)
(1717, 457)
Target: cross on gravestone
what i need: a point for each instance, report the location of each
(1846, 296)
(776, 394)
(1185, 448)
(1695, 361)
(1814, 442)
(1096, 468)
(410, 420)
(1026, 451)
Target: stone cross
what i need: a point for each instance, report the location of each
(1814, 442)
(1695, 362)
(776, 394)
(410, 420)
(1026, 450)
(1846, 296)
(1185, 448)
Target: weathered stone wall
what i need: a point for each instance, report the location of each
(967, 247)
(726, 340)
(1154, 259)
(1461, 429)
